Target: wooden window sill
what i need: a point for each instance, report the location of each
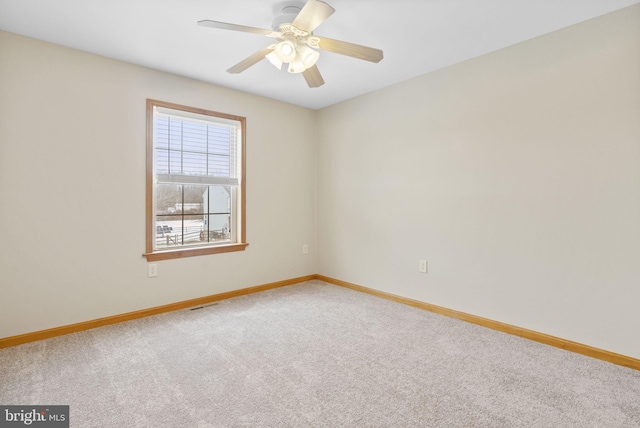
(191, 252)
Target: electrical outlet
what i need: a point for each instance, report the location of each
(153, 270)
(423, 266)
(305, 249)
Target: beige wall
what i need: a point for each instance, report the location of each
(72, 189)
(515, 174)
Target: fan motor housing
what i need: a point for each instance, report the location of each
(287, 16)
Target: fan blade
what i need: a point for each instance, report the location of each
(351, 49)
(235, 27)
(249, 61)
(313, 77)
(313, 14)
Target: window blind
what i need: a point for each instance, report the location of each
(195, 149)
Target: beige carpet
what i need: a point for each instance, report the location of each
(315, 355)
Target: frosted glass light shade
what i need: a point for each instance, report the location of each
(273, 59)
(308, 56)
(286, 51)
(297, 66)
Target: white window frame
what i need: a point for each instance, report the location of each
(236, 181)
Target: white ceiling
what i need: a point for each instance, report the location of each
(417, 36)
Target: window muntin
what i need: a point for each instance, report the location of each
(195, 174)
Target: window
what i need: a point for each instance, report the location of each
(195, 182)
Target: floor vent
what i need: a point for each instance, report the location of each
(203, 306)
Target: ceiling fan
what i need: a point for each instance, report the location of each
(296, 45)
